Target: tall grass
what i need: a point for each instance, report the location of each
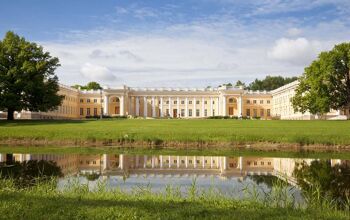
(77, 201)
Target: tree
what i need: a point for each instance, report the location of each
(89, 86)
(325, 84)
(27, 77)
(240, 83)
(270, 83)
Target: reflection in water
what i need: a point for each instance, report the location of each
(229, 174)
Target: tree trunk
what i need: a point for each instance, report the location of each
(10, 113)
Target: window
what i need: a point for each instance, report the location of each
(190, 161)
(182, 112)
(248, 112)
(198, 161)
(88, 100)
(182, 161)
(94, 162)
(255, 163)
(213, 102)
(248, 101)
(268, 101)
(197, 102)
(255, 113)
(81, 111)
(230, 101)
(95, 111)
(254, 101)
(167, 102)
(88, 111)
(268, 163)
(262, 163)
(190, 102)
(205, 161)
(248, 163)
(213, 112)
(189, 112)
(261, 112)
(261, 101)
(268, 112)
(81, 100)
(101, 100)
(182, 102)
(175, 102)
(197, 112)
(95, 100)
(101, 111)
(167, 112)
(175, 161)
(205, 112)
(205, 102)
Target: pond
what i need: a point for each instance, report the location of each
(237, 177)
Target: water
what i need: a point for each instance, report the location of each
(231, 176)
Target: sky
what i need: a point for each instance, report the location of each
(178, 43)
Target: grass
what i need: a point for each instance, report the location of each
(184, 131)
(75, 201)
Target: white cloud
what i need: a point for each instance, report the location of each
(97, 73)
(298, 51)
(293, 32)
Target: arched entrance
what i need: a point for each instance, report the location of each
(114, 106)
(232, 109)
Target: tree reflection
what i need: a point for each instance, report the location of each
(329, 181)
(29, 173)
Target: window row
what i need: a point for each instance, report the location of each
(254, 113)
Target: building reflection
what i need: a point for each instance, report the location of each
(169, 165)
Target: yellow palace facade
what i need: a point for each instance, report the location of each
(177, 103)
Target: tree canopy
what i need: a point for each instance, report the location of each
(325, 84)
(270, 83)
(89, 86)
(27, 76)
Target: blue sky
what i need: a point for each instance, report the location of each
(178, 43)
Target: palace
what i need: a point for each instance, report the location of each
(178, 103)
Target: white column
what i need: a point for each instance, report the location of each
(169, 161)
(121, 111)
(144, 161)
(178, 106)
(240, 163)
(194, 107)
(224, 106)
(211, 107)
(178, 161)
(170, 107)
(186, 162)
(105, 161)
(186, 108)
(218, 106)
(194, 162)
(153, 107)
(137, 106)
(152, 161)
(106, 102)
(161, 107)
(203, 107)
(161, 161)
(217, 162)
(145, 106)
(2, 158)
(203, 162)
(239, 106)
(121, 161)
(211, 162)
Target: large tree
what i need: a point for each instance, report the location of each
(270, 83)
(325, 84)
(27, 77)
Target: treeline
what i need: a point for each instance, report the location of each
(268, 84)
(89, 86)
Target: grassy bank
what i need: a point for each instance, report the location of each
(44, 201)
(177, 132)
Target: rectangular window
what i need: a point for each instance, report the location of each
(95, 100)
(190, 102)
(268, 112)
(175, 102)
(182, 112)
(261, 101)
(205, 102)
(197, 112)
(101, 111)
(81, 111)
(182, 102)
(213, 102)
(167, 102)
(213, 112)
(88, 111)
(81, 100)
(261, 112)
(101, 100)
(88, 100)
(197, 102)
(254, 101)
(268, 101)
(189, 112)
(95, 111)
(205, 112)
(248, 101)
(167, 112)
(255, 113)
(248, 112)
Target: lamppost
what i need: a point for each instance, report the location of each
(101, 112)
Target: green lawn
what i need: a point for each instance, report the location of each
(229, 131)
